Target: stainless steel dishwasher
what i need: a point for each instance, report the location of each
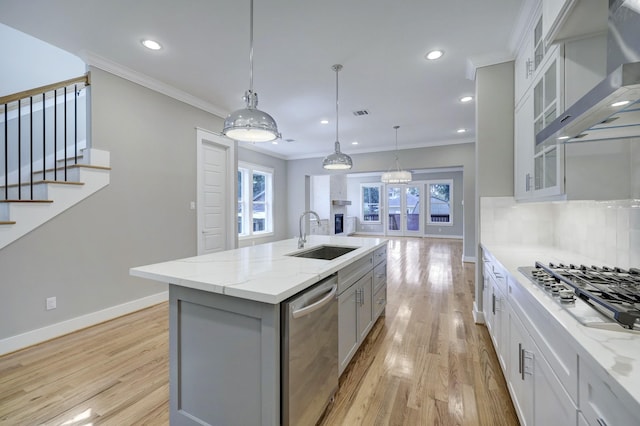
(309, 352)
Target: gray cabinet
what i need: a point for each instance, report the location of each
(225, 359)
(362, 299)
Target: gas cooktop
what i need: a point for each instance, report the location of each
(596, 296)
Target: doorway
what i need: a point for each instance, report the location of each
(404, 210)
(216, 170)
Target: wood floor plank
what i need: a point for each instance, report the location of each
(424, 363)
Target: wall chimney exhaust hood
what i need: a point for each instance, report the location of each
(341, 202)
(611, 110)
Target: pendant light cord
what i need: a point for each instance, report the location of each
(397, 162)
(251, 47)
(337, 68)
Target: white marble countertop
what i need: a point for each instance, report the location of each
(263, 272)
(616, 352)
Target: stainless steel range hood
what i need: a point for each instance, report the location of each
(602, 113)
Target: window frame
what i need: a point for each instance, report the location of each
(245, 211)
(362, 203)
(428, 204)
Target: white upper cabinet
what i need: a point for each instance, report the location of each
(538, 169)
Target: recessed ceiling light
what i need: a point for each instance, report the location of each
(324, 121)
(354, 143)
(466, 99)
(274, 143)
(620, 103)
(461, 130)
(151, 44)
(434, 54)
(561, 138)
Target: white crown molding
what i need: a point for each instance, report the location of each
(385, 149)
(144, 80)
(484, 61)
(257, 148)
(529, 10)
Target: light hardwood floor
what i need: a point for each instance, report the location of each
(425, 363)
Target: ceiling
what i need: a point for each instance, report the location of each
(381, 44)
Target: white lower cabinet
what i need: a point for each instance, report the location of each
(495, 309)
(600, 403)
(539, 397)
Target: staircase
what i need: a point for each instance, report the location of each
(46, 166)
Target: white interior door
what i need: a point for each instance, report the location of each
(404, 210)
(216, 193)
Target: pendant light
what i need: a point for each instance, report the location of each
(337, 160)
(396, 176)
(250, 124)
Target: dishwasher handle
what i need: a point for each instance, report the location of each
(317, 305)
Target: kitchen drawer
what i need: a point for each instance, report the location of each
(379, 276)
(600, 404)
(548, 335)
(379, 301)
(352, 273)
(380, 254)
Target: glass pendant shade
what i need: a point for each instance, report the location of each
(396, 176)
(250, 124)
(337, 160)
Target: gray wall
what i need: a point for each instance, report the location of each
(494, 142)
(462, 155)
(83, 255)
(279, 194)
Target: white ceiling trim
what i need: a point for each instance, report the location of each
(368, 151)
(144, 80)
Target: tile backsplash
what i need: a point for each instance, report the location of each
(605, 230)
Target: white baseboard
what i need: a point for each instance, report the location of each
(478, 316)
(470, 259)
(449, 237)
(14, 343)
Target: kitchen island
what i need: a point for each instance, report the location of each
(225, 323)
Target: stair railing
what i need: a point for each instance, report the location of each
(40, 134)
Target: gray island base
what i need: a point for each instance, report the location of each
(225, 322)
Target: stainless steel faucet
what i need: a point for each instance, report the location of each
(303, 237)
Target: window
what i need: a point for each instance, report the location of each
(440, 207)
(255, 200)
(370, 203)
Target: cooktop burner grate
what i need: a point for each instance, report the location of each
(612, 291)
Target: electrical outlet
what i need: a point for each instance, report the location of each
(51, 303)
(192, 205)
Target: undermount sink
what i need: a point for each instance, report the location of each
(324, 252)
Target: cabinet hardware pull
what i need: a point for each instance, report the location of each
(522, 362)
(601, 422)
(565, 118)
(493, 304)
(519, 358)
